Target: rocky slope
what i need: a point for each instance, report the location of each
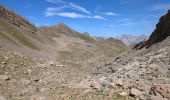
(143, 74)
(17, 20)
(37, 63)
(59, 63)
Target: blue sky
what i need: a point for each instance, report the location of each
(97, 17)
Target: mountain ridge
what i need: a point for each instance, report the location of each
(132, 40)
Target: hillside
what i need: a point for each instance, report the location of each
(58, 63)
(143, 74)
(49, 59)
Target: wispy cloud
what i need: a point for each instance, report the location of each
(70, 5)
(96, 17)
(98, 11)
(75, 15)
(59, 11)
(70, 15)
(54, 9)
(160, 7)
(110, 14)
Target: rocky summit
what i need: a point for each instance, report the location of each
(58, 63)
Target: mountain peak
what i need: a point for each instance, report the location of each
(62, 24)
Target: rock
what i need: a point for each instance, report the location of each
(156, 98)
(6, 58)
(105, 81)
(25, 81)
(112, 85)
(124, 94)
(2, 97)
(39, 98)
(4, 63)
(135, 92)
(4, 77)
(142, 97)
(119, 82)
(36, 80)
(96, 85)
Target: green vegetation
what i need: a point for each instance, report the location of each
(7, 38)
(87, 38)
(19, 36)
(24, 40)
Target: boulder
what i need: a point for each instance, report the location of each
(2, 97)
(4, 77)
(136, 93)
(123, 94)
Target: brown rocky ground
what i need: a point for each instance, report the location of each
(143, 74)
(61, 64)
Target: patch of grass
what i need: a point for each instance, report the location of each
(7, 38)
(19, 36)
(87, 38)
(24, 40)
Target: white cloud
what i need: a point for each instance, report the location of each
(54, 9)
(58, 11)
(160, 7)
(70, 15)
(98, 11)
(77, 7)
(97, 17)
(75, 15)
(70, 5)
(110, 14)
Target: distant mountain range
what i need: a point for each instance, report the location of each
(129, 39)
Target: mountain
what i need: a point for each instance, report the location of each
(132, 39)
(48, 60)
(141, 74)
(59, 29)
(56, 62)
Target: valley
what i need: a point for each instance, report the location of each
(58, 63)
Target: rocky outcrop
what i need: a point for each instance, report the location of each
(161, 32)
(14, 19)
